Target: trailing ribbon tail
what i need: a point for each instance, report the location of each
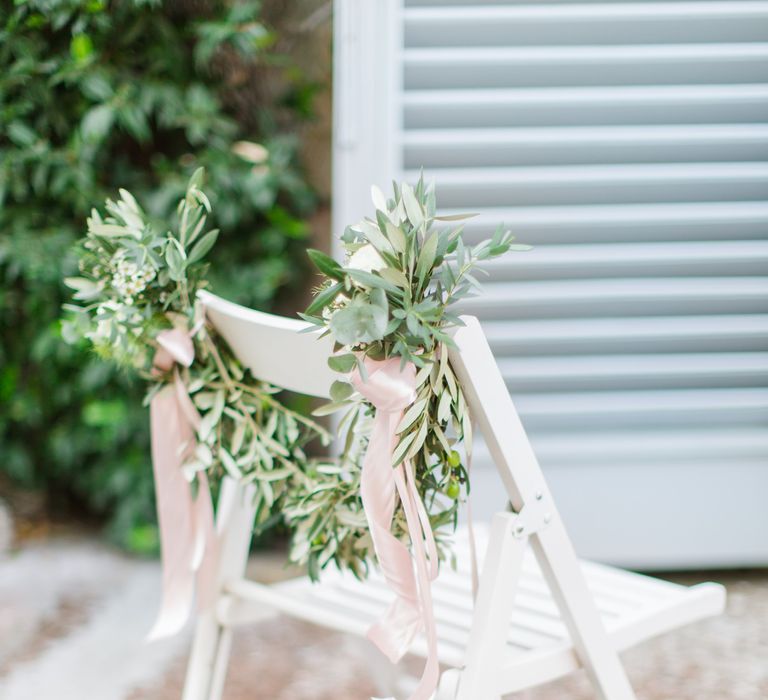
(391, 390)
(187, 540)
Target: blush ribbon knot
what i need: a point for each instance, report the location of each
(391, 389)
(187, 540)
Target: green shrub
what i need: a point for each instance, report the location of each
(96, 95)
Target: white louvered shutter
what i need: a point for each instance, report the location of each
(627, 142)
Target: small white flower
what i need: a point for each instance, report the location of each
(366, 259)
(128, 279)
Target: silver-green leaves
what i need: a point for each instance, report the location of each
(135, 282)
(391, 297)
(361, 321)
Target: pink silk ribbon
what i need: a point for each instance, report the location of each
(391, 390)
(187, 540)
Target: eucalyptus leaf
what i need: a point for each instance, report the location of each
(342, 363)
(359, 322)
(341, 391)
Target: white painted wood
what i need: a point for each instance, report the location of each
(621, 598)
(632, 608)
(367, 93)
(274, 348)
(206, 670)
(587, 23)
(545, 66)
(493, 611)
(508, 444)
(672, 525)
(639, 128)
(598, 105)
(599, 184)
(535, 619)
(529, 146)
(704, 221)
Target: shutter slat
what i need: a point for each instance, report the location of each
(658, 182)
(486, 3)
(660, 445)
(609, 23)
(649, 371)
(451, 148)
(620, 297)
(629, 335)
(623, 223)
(633, 260)
(656, 104)
(577, 411)
(585, 65)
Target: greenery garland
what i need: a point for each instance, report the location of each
(135, 283)
(393, 297)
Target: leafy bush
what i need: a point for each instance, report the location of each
(135, 94)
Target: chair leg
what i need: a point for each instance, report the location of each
(449, 684)
(208, 661)
(493, 611)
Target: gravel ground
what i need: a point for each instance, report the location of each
(73, 615)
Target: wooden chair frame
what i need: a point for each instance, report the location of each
(275, 351)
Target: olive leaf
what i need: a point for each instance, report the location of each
(203, 246)
(326, 264)
(401, 309)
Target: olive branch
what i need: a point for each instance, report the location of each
(394, 296)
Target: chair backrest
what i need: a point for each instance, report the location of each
(278, 350)
(273, 347)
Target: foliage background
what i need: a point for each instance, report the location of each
(136, 94)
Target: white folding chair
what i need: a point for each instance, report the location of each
(540, 613)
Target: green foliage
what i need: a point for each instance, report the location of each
(392, 299)
(137, 290)
(137, 94)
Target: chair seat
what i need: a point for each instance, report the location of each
(633, 608)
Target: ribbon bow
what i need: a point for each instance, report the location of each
(391, 390)
(187, 538)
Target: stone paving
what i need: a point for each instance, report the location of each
(73, 615)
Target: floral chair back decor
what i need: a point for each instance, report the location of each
(375, 526)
